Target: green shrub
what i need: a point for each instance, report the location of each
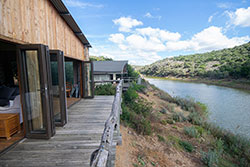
(105, 89)
(210, 158)
(235, 145)
(161, 138)
(191, 132)
(141, 106)
(164, 122)
(200, 130)
(132, 72)
(170, 121)
(163, 111)
(195, 118)
(141, 161)
(186, 145)
(173, 140)
(179, 117)
(219, 146)
(139, 88)
(136, 111)
(130, 95)
(137, 122)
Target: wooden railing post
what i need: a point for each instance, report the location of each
(102, 156)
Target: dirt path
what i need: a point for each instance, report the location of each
(124, 152)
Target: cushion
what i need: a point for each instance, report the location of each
(6, 92)
(12, 97)
(4, 102)
(16, 91)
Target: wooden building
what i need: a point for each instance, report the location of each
(43, 56)
(109, 70)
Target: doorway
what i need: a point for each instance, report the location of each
(11, 117)
(73, 70)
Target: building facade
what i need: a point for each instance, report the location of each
(44, 56)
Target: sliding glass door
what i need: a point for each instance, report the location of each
(58, 87)
(36, 91)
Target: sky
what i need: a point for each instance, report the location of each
(144, 31)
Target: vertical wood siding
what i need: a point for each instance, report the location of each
(37, 21)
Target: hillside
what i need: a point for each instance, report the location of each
(100, 58)
(227, 63)
(160, 130)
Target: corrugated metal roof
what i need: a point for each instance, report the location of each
(64, 13)
(102, 67)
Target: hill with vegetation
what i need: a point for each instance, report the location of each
(160, 130)
(100, 58)
(231, 63)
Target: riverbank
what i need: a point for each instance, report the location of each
(160, 130)
(237, 84)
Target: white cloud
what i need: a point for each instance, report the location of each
(241, 17)
(126, 23)
(210, 18)
(80, 4)
(162, 35)
(117, 38)
(145, 39)
(138, 42)
(142, 45)
(149, 15)
(208, 39)
(224, 5)
(134, 57)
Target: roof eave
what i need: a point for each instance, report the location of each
(64, 13)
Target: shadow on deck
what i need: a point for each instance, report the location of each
(72, 145)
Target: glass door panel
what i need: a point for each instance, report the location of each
(58, 87)
(36, 99)
(34, 91)
(88, 82)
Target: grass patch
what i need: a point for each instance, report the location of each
(191, 132)
(186, 145)
(178, 117)
(161, 138)
(210, 158)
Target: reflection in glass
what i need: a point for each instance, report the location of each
(87, 84)
(55, 87)
(33, 94)
(72, 71)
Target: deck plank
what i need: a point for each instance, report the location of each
(72, 145)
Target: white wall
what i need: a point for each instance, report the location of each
(101, 77)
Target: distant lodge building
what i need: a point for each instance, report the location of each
(109, 70)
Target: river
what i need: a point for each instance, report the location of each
(228, 108)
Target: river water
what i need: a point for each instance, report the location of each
(228, 108)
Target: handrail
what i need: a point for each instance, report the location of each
(102, 156)
(124, 79)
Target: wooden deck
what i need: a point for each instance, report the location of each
(71, 101)
(72, 145)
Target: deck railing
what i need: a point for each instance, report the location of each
(102, 156)
(125, 79)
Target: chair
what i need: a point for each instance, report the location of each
(68, 88)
